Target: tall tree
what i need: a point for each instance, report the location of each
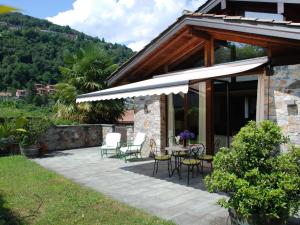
(86, 71)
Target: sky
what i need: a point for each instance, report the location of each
(131, 22)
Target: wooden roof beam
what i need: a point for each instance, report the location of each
(180, 52)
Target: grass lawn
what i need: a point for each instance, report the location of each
(30, 194)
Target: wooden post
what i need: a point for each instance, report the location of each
(209, 61)
(186, 109)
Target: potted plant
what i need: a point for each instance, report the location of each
(186, 135)
(28, 137)
(8, 130)
(263, 183)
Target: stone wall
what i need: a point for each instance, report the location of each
(282, 100)
(149, 118)
(82, 136)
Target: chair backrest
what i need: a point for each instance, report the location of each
(153, 147)
(112, 139)
(197, 150)
(139, 139)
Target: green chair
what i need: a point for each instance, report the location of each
(135, 148)
(192, 160)
(159, 157)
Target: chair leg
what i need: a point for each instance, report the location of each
(141, 156)
(154, 167)
(188, 181)
(169, 162)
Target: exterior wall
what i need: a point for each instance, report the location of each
(81, 136)
(283, 96)
(150, 120)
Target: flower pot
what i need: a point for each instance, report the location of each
(30, 151)
(256, 219)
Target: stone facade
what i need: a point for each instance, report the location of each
(82, 136)
(149, 118)
(282, 100)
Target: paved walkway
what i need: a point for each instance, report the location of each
(133, 184)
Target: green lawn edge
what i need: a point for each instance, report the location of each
(30, 194)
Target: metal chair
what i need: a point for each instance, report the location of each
(135, 148)
(192, 160)
(159, 157)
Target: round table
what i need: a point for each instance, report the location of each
(178, 151)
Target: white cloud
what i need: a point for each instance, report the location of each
(132, 22)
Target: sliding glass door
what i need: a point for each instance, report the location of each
(187, 112)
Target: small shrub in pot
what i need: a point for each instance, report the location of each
(32, 130)
(263, 183)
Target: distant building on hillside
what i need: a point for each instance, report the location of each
(50, 89)
(21, 93)
(4, 95)
(44, 89)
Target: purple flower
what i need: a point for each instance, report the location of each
(186, 135)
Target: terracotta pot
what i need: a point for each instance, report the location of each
(257, 219)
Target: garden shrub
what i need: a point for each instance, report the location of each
(259, 178)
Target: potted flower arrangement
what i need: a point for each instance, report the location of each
(263, 183)
(28, 138)
(185, 136)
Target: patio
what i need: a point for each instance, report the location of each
(133, 184)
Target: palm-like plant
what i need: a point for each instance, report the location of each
(86, 71)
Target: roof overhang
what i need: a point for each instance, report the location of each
(173, 82)
(210, 4)
(283, 30)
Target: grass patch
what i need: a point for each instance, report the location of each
(30, 194)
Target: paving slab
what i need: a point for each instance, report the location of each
(133, 184)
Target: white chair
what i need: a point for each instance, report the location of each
(135, 148)
(111, 143)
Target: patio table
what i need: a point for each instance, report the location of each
(177, 151)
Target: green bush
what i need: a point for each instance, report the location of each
(33, 128)
(258, 177)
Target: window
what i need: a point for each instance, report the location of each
(227, 51)
(270, 16)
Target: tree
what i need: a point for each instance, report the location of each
(86, 71)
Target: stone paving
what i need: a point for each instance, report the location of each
(133, 184)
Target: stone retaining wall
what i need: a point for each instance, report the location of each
(82, 136)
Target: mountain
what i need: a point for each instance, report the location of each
(32, 49)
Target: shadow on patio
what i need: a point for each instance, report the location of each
(146, 168)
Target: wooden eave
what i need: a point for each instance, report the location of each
(192, 31)
(211, 4)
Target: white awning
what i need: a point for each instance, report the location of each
(172, 82)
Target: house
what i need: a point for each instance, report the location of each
(213, 70)
(21, 93)
(42, 89)
(127, 118)
(5, 95)
(50, 89)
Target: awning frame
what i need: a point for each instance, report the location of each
(174, 82)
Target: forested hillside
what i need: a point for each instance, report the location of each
(32, 49)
